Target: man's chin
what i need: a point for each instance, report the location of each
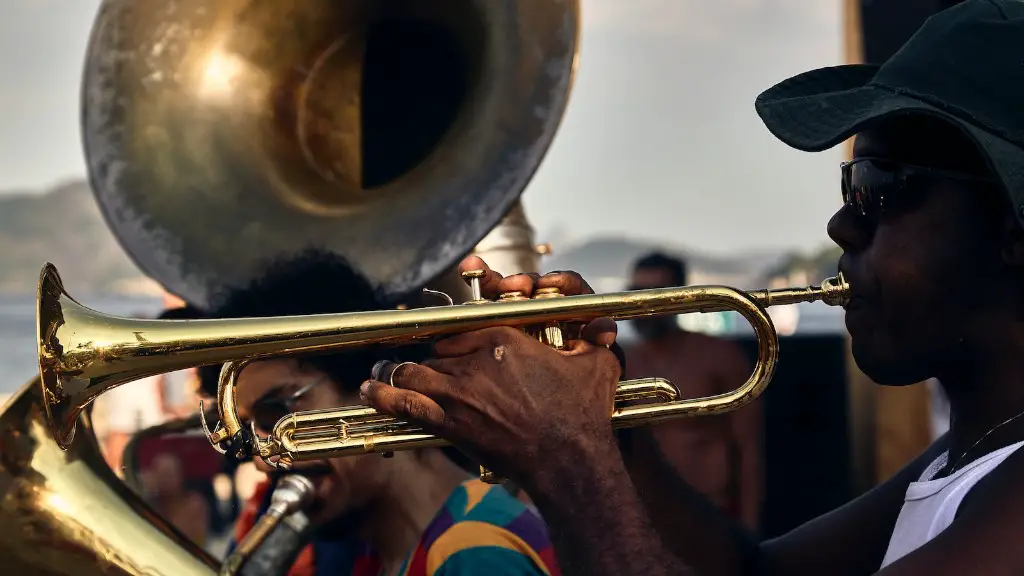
(334, 526)
(885, 371)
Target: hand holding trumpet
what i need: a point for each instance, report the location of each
(511, 402)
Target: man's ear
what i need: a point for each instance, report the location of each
(1013, 241)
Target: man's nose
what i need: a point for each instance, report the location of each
(847, 230)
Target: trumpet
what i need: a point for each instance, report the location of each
(83, 353)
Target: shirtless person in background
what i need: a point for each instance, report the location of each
(720, 456)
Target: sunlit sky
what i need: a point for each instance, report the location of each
(660, 140)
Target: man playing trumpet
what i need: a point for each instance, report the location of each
(417, 513)
(933, 248)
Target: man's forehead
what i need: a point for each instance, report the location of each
(889, 138)
(269, 369)
(264, 377)
(916, 139)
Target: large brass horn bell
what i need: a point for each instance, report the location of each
(65, 513)
(395, 133)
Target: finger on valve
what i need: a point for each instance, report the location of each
(568, 283)
(489, 279)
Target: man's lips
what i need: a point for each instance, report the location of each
(315, 471)
(855, 302)
(311, 471)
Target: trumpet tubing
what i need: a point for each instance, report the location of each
(83, 353)
(353, 430)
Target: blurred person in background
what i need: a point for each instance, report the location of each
(720, 456)
(417, 512)
(179, 398)
(126, 410)
(163, 482)
(178, 391)
(121, 412)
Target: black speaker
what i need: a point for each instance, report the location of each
(807, 455)
(888, 24)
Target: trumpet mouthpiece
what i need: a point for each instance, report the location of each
(835, 291)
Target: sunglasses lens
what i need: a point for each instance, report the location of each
(268, 412)
(865, 184)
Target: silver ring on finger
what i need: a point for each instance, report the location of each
(384, 371)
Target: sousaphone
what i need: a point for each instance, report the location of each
(222, 135)
(395, 133)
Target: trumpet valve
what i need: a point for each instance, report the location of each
(543, 293)
(512, 297)
(472, 277)
(551, 334)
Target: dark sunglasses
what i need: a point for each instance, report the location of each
(875, 186)
(266, 412)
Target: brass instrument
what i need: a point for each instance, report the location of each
(220, 136)
(394, 133)
(66, 512)
(84, 353)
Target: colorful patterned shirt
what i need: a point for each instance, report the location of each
(480, 529)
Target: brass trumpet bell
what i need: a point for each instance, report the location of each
(221, 135)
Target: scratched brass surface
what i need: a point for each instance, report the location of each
(66, 513)
(219, 135)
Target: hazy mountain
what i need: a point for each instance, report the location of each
(608, 260)
(63, 226)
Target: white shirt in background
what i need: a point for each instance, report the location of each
(129, 408)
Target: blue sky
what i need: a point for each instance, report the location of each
(660, 140)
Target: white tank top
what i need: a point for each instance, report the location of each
(931, 505)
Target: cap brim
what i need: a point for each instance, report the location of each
(817, 110)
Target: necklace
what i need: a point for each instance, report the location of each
(975, 445)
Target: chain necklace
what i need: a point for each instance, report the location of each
(975, 445)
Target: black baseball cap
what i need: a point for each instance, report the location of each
(965, 66)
